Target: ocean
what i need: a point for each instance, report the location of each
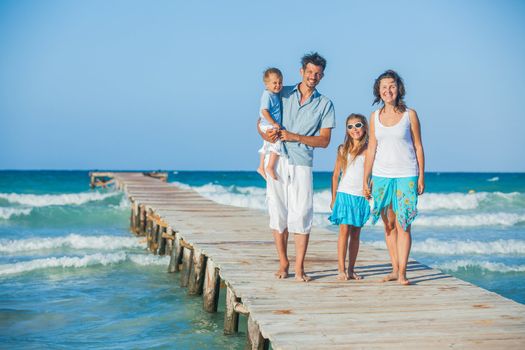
(72, 275)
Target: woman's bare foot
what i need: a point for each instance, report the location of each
(390, 277)
(270, 171)
(353, 276)
(342, 276)
(403, 281)
(261, 172)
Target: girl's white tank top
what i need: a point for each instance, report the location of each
(352, 179)
(395, 155)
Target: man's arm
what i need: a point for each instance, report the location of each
(322, 140)
(271, 135)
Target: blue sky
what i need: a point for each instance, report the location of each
(176, 84)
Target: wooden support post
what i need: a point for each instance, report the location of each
(142, 220)
(254, 339)
(161, 241)
(187, 262)
(154, 235)
(231, 318)
(92, 181)
(133, 217)
(196, 281)
(212, 285)
(137, 218)
(176, 253)
(149, 228)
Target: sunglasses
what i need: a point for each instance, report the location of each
(356, 125)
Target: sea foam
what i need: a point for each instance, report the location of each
(473, 220)
(442, 247)
(467, 264)
(81, 262)
(43, 200)
(73, 241)
(7, 213)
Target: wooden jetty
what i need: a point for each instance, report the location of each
(209, 242)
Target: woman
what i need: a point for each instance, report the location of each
(396, 162)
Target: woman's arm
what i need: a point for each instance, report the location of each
(335, 177)
(322, 140)
(370, 156)
(415, 128)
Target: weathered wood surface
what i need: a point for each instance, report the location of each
(438, 311)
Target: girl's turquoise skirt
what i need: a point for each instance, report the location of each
(350, 210)
(400, 193)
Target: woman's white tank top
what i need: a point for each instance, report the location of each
(352, 180)
(395, 155)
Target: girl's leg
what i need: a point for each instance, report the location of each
(404, 243)
(270, 168)
(353, 249)
(260, 169)
(342, 246)
(389, 220)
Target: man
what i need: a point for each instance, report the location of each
(308, 119)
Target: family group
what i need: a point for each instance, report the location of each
(380, 160)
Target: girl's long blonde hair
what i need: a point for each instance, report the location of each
(350, 146)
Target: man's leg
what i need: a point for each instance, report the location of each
(300, 214)
(277, 208)
(301, 245)
(281, 244)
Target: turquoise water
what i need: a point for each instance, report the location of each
(73, 276)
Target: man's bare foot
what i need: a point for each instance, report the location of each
(270, 171)
(281, 274)
(354, 276)
(390, 277)
(261, 172)
(403, 281)
(302, 278)
(342, 276)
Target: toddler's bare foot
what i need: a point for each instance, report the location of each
(270, 171)
(342, 276)
(390, 277)
(261, 172)
(353, 276)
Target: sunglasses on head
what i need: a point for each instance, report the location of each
(356, 125)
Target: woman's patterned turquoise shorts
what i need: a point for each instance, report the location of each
(400, 192)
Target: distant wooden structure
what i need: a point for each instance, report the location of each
(210, 242)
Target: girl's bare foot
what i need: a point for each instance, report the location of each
(390, 277)
(342, 276)
(354, 276)
(261, 172)
(270, 171)
(301, 276)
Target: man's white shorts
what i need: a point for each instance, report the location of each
(290, 198)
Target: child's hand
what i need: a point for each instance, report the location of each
(367, 191)
(332, 205)
(272, 134)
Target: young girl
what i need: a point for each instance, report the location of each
(350, 209)
(271, 118)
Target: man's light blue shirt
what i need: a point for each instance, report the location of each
(316, 113)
